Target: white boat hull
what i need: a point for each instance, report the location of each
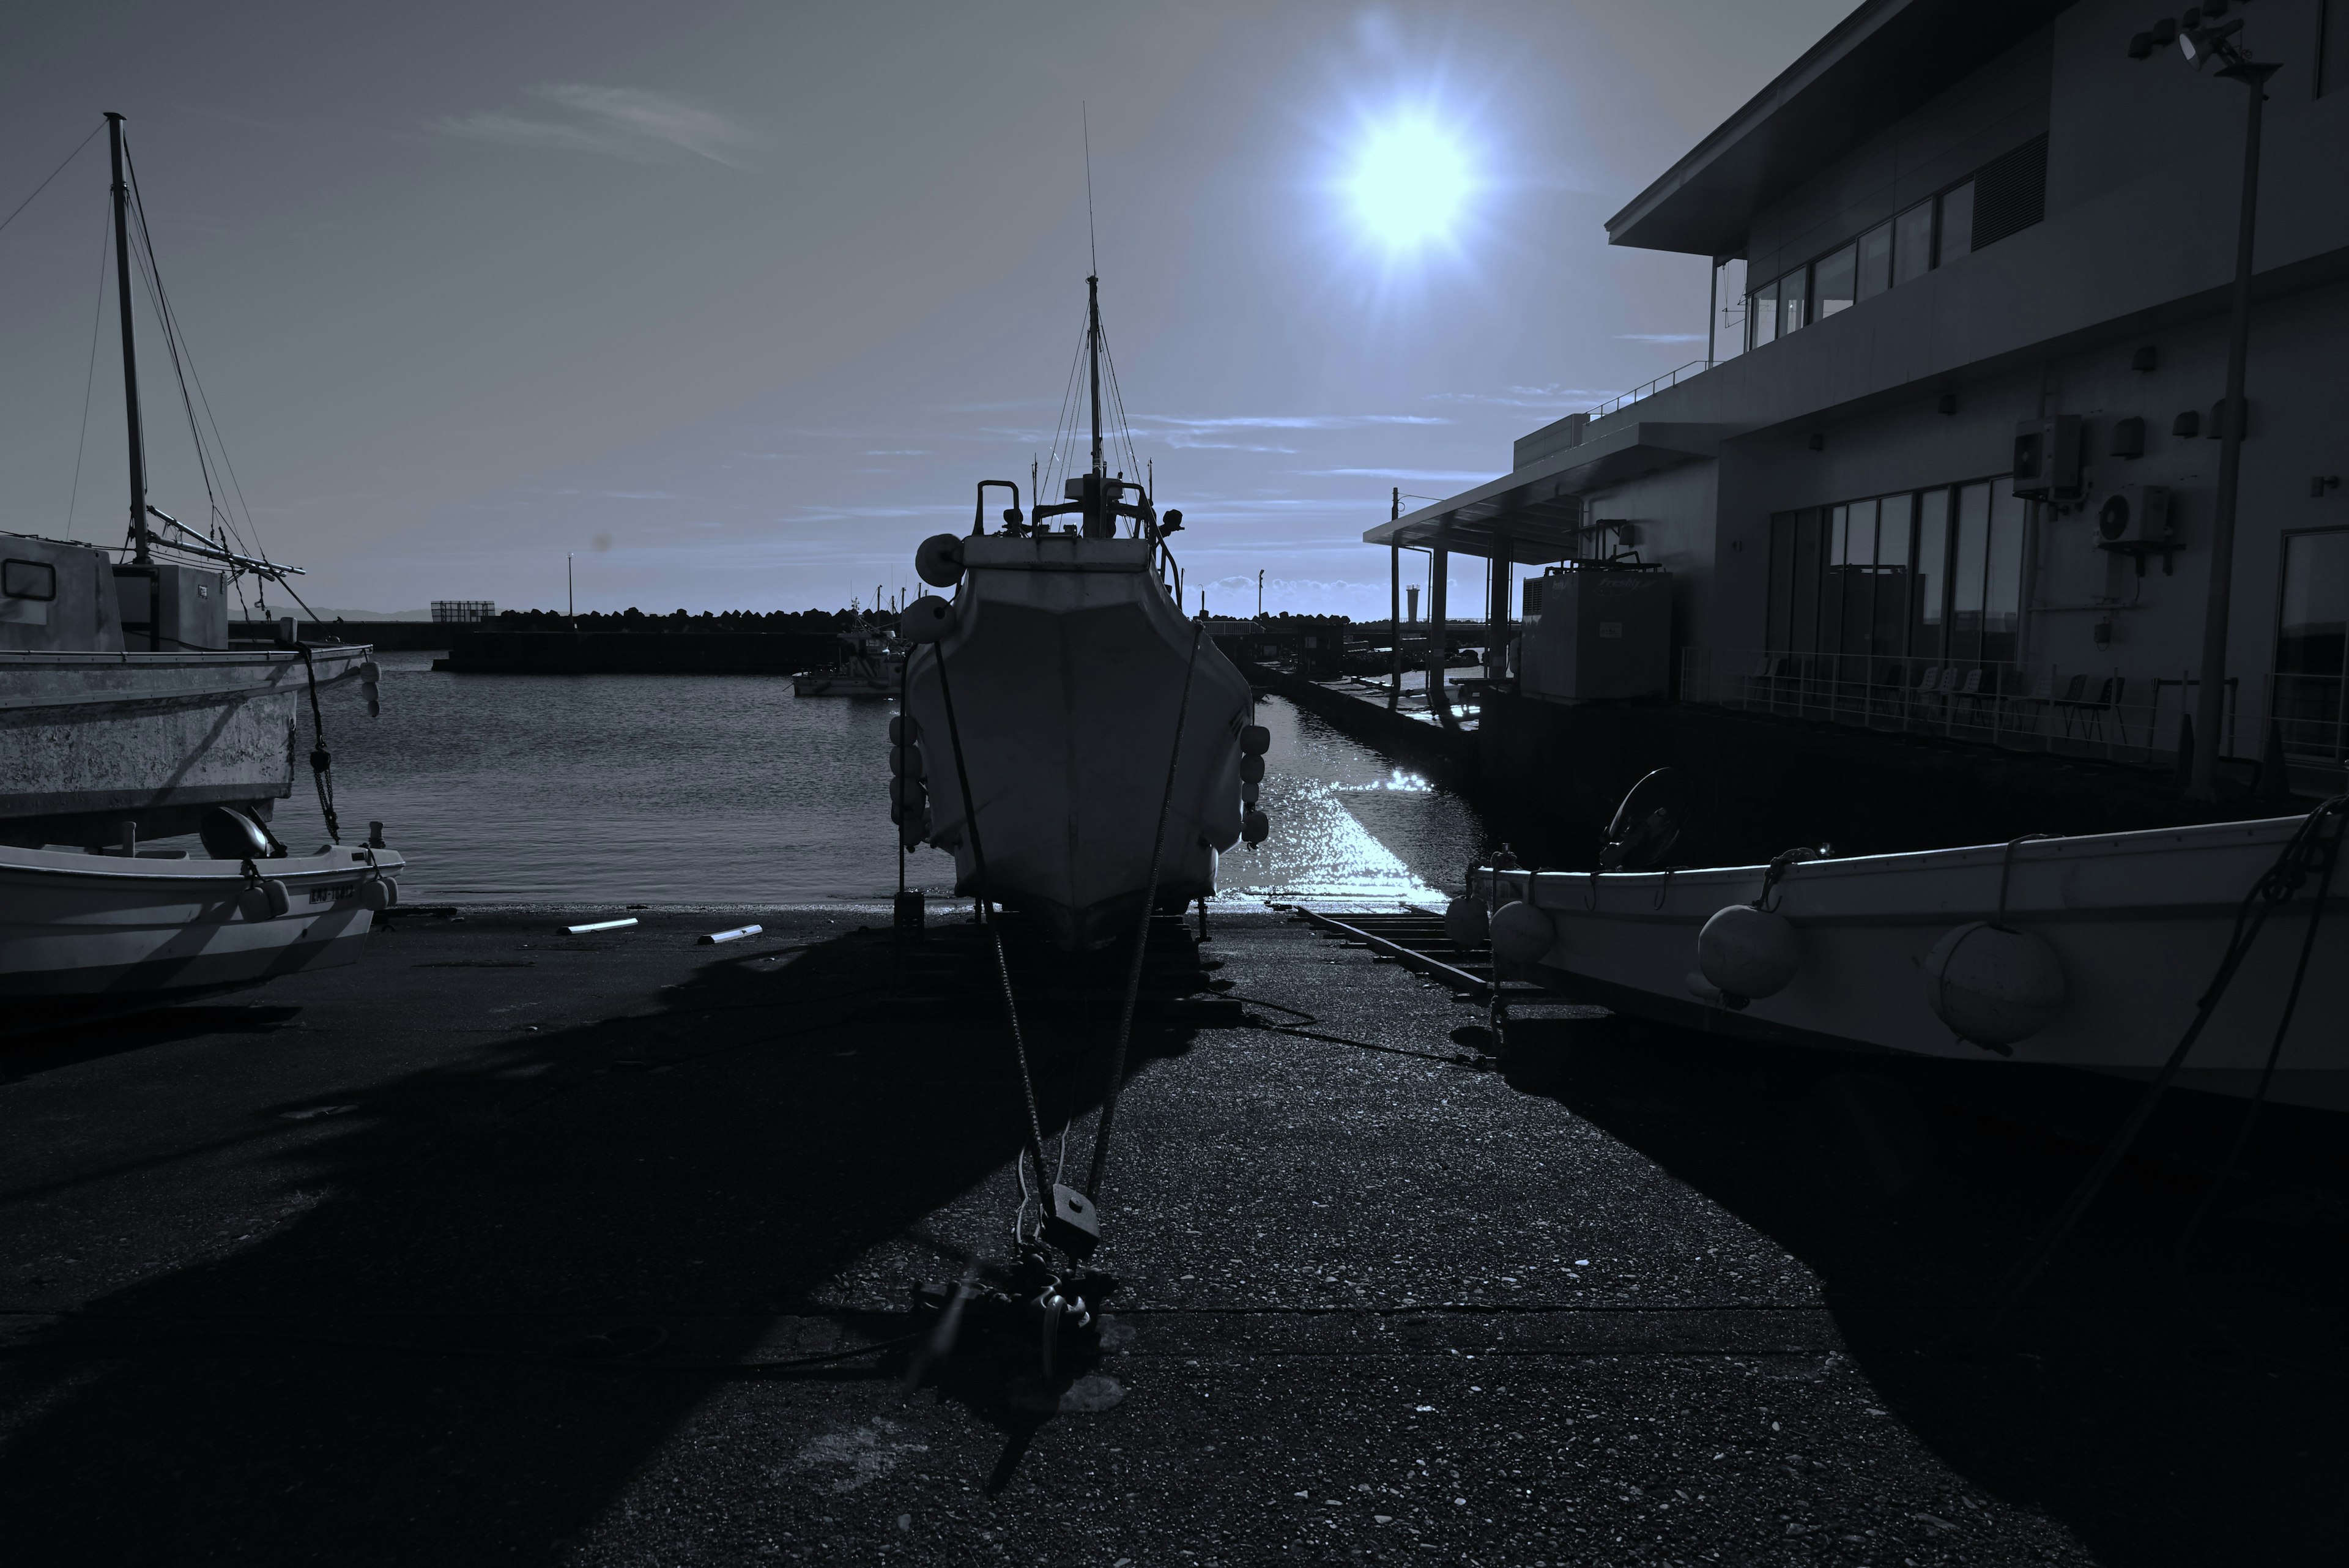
(89, 732)
(79, 925)
(1067, 664)
(2138, 921)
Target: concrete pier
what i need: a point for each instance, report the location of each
(508, 1246)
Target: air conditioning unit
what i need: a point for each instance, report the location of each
(2133, 515)
(2047, 459)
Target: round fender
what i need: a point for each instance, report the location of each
(1254, 827)
(938, 561)
(1748, 952)
(1465, 922)
(905, 791)
(393, 883)
(928, 619)
(1248, 793)
(903, 729)
(1993, 987)
(1251, 770)
(1254, 739)
(906, 762)
(375, 895)
(252, 902)
(279, 900)
(1520, 932)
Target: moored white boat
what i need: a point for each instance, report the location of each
(1870, 953)
(74, 924)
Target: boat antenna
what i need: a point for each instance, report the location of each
(141, 540)
(1092, 293)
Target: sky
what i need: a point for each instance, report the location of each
(734, 304)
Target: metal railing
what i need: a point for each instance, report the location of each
(1688, 371)
(2035, 708)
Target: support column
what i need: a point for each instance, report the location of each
(1394, 606)
(1497, 634)
(1439, 571)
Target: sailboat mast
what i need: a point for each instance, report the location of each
(139, 534)
(1092, 342)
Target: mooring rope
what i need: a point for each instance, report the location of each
(1142, 933)
(993, 929)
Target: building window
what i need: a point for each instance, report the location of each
(1762, 317)
(1927, 618)
(2006, 195)
(1793, 295)
(1832, 280)
(1955, 232)
(1933, 575)
(2311, 644)
(1875, 261)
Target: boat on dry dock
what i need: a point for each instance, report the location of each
(127, 716)
(2093, 951)
(1083, 750)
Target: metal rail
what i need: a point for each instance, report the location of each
(1434, 968)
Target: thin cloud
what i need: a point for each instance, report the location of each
(618, 122)
(1294, 421)
(1422, 475)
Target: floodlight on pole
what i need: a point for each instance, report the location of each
(2201, 46)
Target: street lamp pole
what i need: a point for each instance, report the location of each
(2202, 45)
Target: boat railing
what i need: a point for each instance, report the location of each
(2133, 718)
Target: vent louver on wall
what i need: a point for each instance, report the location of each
(2010, 193)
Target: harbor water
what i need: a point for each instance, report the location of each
(726, 791)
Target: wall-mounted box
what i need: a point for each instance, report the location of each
(2047, 459)
(2128, 439)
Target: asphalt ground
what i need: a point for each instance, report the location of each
(506, 1247)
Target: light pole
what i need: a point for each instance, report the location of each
(1259, 594)
(2201, 44)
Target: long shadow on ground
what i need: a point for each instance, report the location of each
(2169, 1409)
(407, 1373)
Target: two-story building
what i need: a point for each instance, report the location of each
(1969, 225)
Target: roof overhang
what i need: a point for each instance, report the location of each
(1884, 61)
(1537, 509)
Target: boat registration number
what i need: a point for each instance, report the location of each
(328, 895)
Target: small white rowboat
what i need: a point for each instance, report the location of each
(74, 924)
(2105, 945)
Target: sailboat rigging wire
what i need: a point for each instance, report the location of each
(89, 380)
(175, 338)
(1117, 401)
(1142, 932)
(61, 169)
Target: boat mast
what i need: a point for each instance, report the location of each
(143, 555)
(1092, 342)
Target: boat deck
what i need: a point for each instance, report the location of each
(499, 1246)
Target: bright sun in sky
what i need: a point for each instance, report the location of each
(1409, 184)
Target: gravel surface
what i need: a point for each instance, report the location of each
(505, 1246)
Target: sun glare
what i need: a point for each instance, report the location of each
(1409, 184)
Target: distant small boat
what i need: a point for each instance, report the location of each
(74, 924)
(868, 667)
(2087, 951)
(1110, 747)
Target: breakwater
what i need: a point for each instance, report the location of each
(638, 653)
(391, 636)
